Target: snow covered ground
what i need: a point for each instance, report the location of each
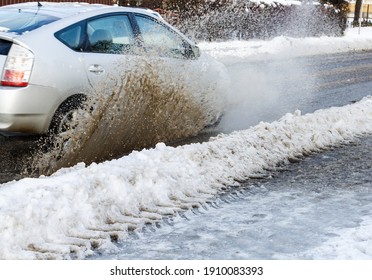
(84, 208)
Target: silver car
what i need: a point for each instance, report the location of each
(51, 54)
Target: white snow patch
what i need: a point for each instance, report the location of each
(348, 244)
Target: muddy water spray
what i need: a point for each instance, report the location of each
(154, 102)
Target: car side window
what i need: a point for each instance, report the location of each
(111, 34)
(160, 39)
(71, 36)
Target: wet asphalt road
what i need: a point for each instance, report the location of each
(15, 152)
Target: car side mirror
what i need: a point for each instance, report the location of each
(191, 51)
(195, 49)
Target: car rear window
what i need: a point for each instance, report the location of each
(20, 22)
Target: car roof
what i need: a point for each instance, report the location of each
(59, 10)
(66, 9)
(74, 11)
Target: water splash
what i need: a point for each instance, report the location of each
(156, 101)
(250, 19)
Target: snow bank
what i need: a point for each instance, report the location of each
(78, 210)
(234, 51)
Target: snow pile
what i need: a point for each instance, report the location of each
(235, 51)
(81, 209)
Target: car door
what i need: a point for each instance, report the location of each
(179, 66)
(171, 54)
(116, 43)
(160, 40)
(109, 49)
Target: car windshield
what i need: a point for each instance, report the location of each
(20, 22)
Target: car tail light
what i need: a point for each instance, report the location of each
(18, 66)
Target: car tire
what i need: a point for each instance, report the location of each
(61, 123)
(62, 118)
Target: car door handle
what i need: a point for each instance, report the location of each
(96, 69)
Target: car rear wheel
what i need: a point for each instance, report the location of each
(64, 118)
(64, 122)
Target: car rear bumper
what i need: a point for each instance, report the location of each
(27, 109)
(34, 124)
